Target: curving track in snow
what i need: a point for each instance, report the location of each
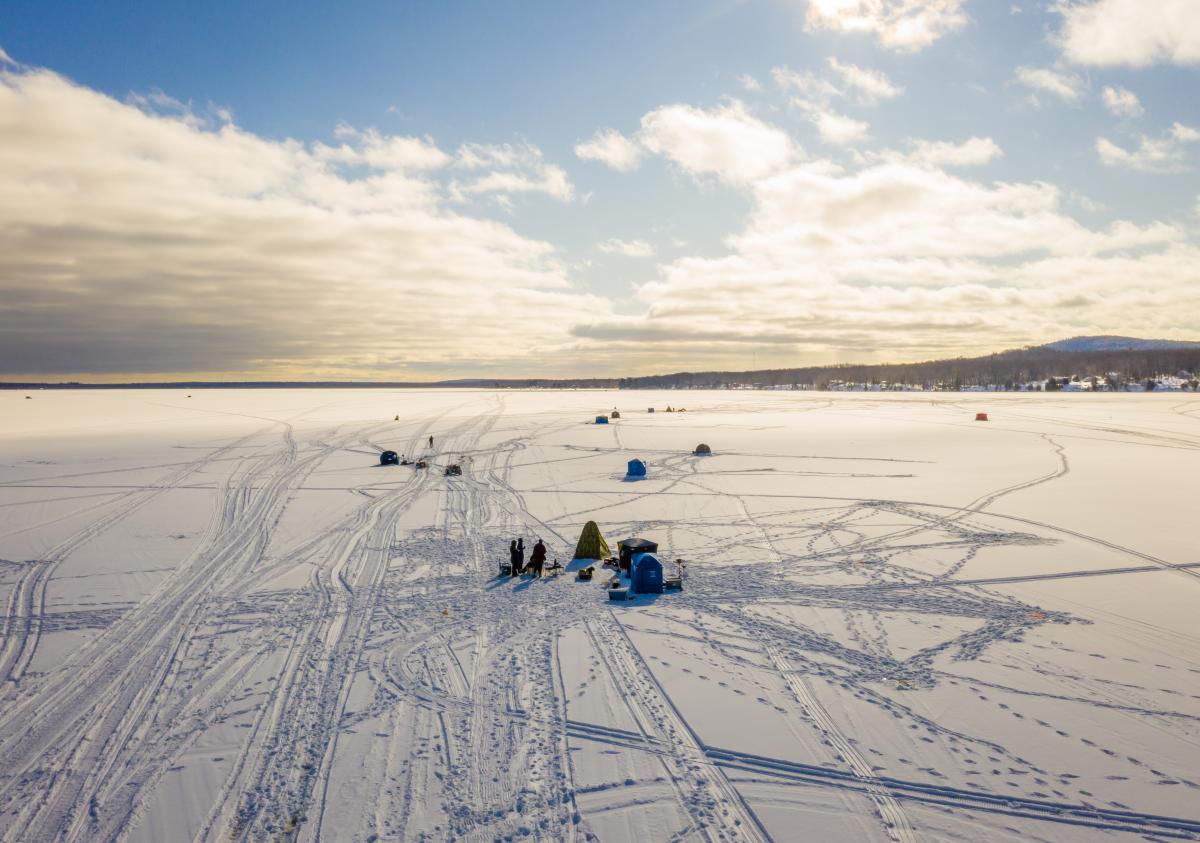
(352, 669)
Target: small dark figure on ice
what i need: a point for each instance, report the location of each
(519, 558)
(537, 559)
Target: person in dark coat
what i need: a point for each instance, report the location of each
(514, 558)
(520, 566)
(538, 558)
(431, 441)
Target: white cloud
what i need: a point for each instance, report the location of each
(972, 152)
(840, 130)
(814, 95)
(135, 242)
(749, 83)
(612, 148)
(896, 261)
(895, 208)
(1122, 102)
(477, 156)
(898, 258)
(807, 90)
(513, 169)
(1134, 33)
(382, 152)
(1164, 154)
(871, 85)
(1065, 86)
(727, 142)
(552, 181)
(628, 248)
(161, 104)
(905, 25)
(5, 58)
(1088, 203)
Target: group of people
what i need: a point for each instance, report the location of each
(537, 559)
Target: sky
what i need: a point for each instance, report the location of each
(414, 191)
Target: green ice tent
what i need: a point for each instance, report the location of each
(591, 544)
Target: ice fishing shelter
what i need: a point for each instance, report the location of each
(601, 419)
(981, 417)
(636, 468)
(702, 450)
(616, 414)
(646, 574)
(591, 543)
(627, 548)
(389, 458)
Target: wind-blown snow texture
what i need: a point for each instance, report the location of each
(223, 620)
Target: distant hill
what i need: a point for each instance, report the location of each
(1108, 342)
(1130, 358)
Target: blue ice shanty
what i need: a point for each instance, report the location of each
(646, 576)
(601, 419)
(636, 468)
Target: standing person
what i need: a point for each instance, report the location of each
(431, 440)
(538, 558)
(512, 557)
(520, 566)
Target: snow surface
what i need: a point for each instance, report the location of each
(223, 620)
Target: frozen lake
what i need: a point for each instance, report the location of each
(223, 620)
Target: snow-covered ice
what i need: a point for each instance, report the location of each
(223, 620)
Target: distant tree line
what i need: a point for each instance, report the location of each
(1006, 369)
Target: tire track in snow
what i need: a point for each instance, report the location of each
(23, 617)
(889, 810)
(717, 809)
(304, 716)
(134, 653)
(1153, 826)
(92, 701)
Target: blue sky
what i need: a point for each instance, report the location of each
(802, 182)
